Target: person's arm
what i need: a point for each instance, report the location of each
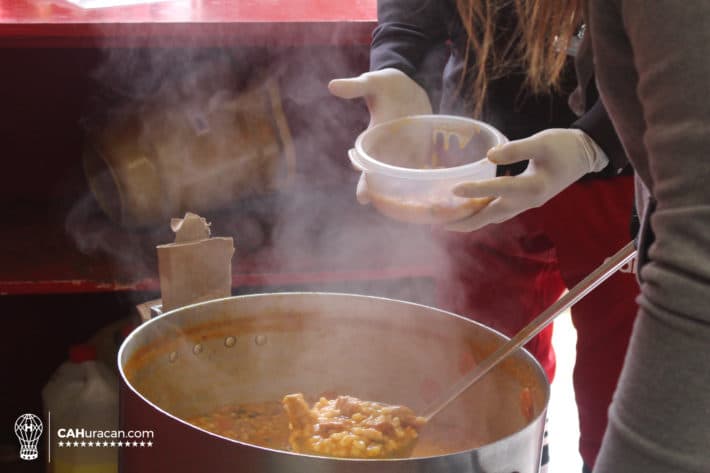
(596, 123)
(593, 117)
(407, 31)
(659, 420)
(407, 34)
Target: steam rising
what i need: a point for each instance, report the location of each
(308, 235)
(313, 226)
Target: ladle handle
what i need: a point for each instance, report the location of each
(596, 277)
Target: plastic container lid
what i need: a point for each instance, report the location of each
(81, 353)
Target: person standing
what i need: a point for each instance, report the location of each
(507, 274)
(650, 61)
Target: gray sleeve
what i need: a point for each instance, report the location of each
(659, 420)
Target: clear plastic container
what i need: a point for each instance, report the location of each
(82, 397)
(411, 165)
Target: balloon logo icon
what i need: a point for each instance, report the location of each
(28, 428)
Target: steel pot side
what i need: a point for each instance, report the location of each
(197, 358)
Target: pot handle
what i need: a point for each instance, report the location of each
(149, 309)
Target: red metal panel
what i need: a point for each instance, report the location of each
(40, 256)
(239, 280)
(193, 22)
(36, 253)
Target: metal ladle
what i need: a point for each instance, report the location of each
(596, 277)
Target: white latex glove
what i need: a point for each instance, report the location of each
(389, 94)
(558, 158)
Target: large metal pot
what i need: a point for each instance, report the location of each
(260, 347)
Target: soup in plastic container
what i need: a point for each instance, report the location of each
(411, 165)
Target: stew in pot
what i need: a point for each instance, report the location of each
(267, 424)
(349, 427)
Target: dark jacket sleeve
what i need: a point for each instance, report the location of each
(596, 123)
(406, 33)
(594, 120)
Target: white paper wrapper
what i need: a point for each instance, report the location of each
(196, 267)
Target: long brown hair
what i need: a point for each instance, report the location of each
(537, 46)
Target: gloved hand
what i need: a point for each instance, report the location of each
(558, 158)
(389, 94)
